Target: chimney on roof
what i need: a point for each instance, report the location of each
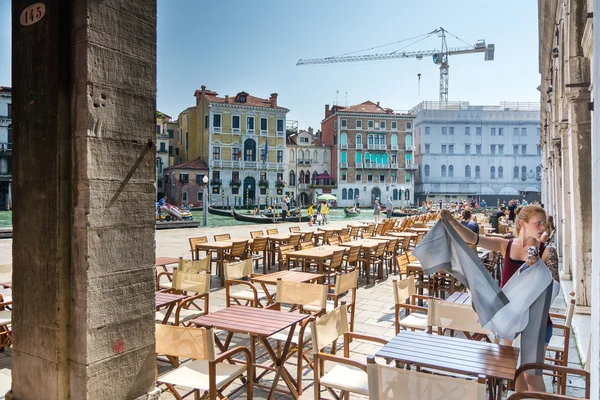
(310, 130)
(273, 100)
(198, 94)
(377, 104)
(226, 98)
(327, 110)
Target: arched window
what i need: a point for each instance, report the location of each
(492, 172)
(443, 171)
(523, 173)
(315, 157)
(477, 172)
(408, 157)
(314, 176)
(376, 140)
(344, 138)
(408, 141)
(538, 173)
(292, 156)
(306, 155)
(292, 178)
(249, 150)
(359, 157)
(358, 177)
(500, 172)
(301, 177)
(370, 139)
(394, 140)
(367, 157)
(395, 194)
(345, 194)
(300, 156)
(451, 171)
(408, 177)
(467, 171)
(385, 158)
(356, 193)
(426, 170)
(407, 194)
(344, 157)
(359, 139)
(325, 157)
(343, 176)
(516, 173)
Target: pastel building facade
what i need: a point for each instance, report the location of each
(6, 140)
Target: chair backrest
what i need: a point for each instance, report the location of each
(346, 282)
(404, 289)
(333, 241)
(380, 249)
(353, 253)
(301, 294)
(308, 236)
(191, 282)
(344, 231)
(326, 329)
(197, 240)
(344, 238)
(238, 270)
(294, 240)
(306, 245)
(223, 237)
(354, 231)
(569, 314)
(239, 248)
(336, 259)
(284, 249)
(180, 341)
(294, 229)
(371, 229)
(273, 231)
(391, 246)
(461, 317)
(256, 234)
(259, 244)
(194, 266)
(387, 383)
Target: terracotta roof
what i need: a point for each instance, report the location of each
(250, 100)
(366, 107)
(194, 164)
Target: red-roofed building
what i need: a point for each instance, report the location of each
(183, 182)
(242, 138)
(372, 155)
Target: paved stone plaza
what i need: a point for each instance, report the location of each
(374, 313)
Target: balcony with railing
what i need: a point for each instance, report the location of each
(394, 165)
(215, 163)
(411, 167)
(263, 133)
(359, 146)
(344, 146)
(302, 186)
(250, 164)
(280, 134)
(5, 147)
(359, 165)
(344, 165)
(394, 147)
(372, 146)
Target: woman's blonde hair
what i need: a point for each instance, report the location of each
(525, 213)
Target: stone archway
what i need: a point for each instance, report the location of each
(375, 195)
(249, 190)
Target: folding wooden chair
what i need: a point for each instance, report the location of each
(306, 298)
(239, 274)
(197, 287)
(192, 266)
(445, 315)
(5, 323)
(559, 345)
(257, 251)
(347, 375)
(405, 298)
(345, 286)
(207, 373)
(390, 383)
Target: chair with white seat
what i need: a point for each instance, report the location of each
(405, 298)
(308, 298)
(347, 375)
(239, 274)
(206, 373)
(390, 383)
(199, 266)
(196, 287)
(559, 345)
(445, 315)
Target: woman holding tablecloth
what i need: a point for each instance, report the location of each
(530, 222)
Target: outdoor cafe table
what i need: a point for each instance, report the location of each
(286, 276)
(454, 355)
(316, 254)
(259, 323)
(219, 248)
(402, 234)
(369, 243)
(167, 300)
(419, 230)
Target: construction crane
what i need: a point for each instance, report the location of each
(440, 57)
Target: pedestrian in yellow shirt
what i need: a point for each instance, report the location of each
(325, 212)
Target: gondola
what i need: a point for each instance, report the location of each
(262, 219)
(403, 213)
(217, 211)
(351, 212)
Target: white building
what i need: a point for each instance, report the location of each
(5, 147)
(308, 169)
(481, 152)
(163, 151)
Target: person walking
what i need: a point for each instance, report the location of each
(389, 207)
(325, 212)
(376, 210)
(441, 203)
(356, 203)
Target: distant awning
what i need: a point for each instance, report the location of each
(322, 177)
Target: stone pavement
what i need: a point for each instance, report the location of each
(374, 311)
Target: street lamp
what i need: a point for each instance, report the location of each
(205, 201)
(401, 197)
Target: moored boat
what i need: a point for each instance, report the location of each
(217, 211)
(351, 212)
(266, 219)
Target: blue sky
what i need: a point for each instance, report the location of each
(231, 46)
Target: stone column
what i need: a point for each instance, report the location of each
(564, 218)
(84, 78)
(581, 195)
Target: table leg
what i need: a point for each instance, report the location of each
(220, 271)
(168, 313)
(270, 299)
(279, 362)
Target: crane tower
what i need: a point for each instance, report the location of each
(440, 57)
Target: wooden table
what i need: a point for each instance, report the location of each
(219, 248)
(454, 355)
(402, 234)
(259, 323)
(169, 301)
(460, 298)
(419, 230)
(369, 243)
(286, 276)
(318, 254)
